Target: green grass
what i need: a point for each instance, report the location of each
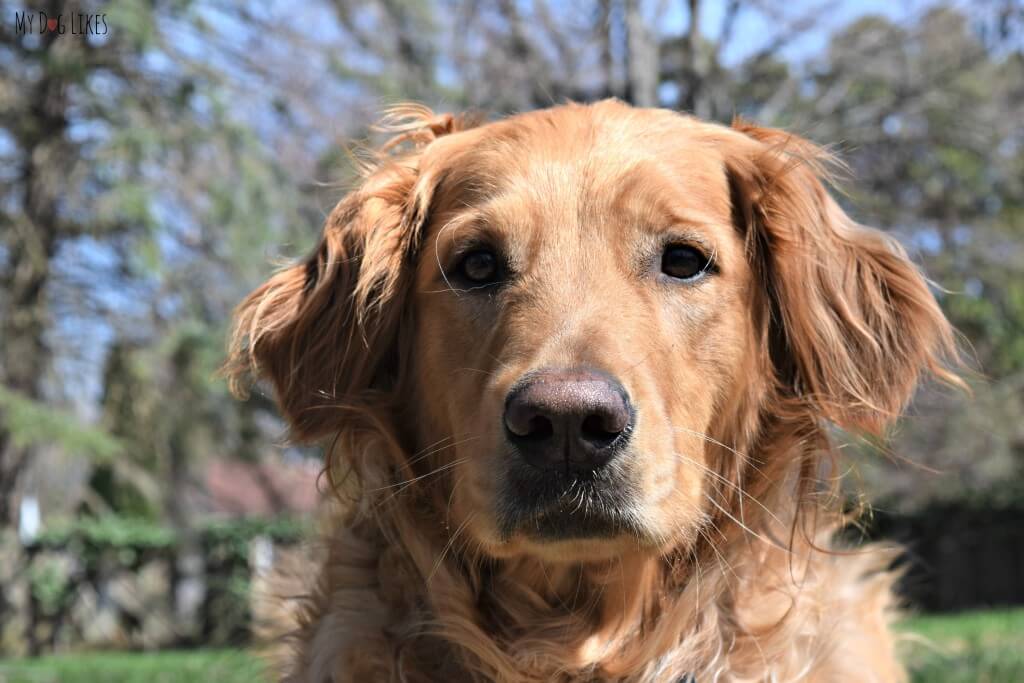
(973, 647)
(194, 666)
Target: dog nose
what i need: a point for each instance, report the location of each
(574, 419)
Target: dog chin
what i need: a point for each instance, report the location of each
(562, 524)
(581, 524)
(596, 540)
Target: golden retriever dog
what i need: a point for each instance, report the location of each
(577, 374)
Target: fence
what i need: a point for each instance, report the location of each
(116, 583)
(959, 556)
(122, 584)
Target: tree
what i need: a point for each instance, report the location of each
(153, 166)
(58, 98)
(133, 202)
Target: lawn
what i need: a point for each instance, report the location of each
(192, 666)
(974, 647)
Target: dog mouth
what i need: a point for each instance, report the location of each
(560, 505)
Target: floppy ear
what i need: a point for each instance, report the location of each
(851, 321)
(325, 331)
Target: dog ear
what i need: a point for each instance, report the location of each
(324, 331)
(851, 323)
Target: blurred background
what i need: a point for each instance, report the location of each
(159, 158)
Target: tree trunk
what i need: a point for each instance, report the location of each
(690, 99)
(31, 242)
(642, 58)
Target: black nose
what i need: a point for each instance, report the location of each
(574, 419)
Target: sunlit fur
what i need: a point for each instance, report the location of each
(813, 322)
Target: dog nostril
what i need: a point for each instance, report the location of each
(540, 428)
(527, 422)
(596, 428)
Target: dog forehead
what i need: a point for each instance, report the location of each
(550, 181)
(583, 160)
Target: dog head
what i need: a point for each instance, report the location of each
(591, 329)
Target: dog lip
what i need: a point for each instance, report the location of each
(578, 524)
(564, 504)
(567, 520)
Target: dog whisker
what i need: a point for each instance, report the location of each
(426, 449)
(440, 449)
(723, 564)
(406, 484)
(485, 373)
(727, 482)
(451, 498)
(743, 526)
(448, 545)
(743, 456)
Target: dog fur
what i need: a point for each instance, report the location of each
(806, 322)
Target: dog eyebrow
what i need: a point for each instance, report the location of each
(666, 215)
(691, 219)
(687, 235)
(467, 223)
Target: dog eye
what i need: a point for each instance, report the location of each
(683, 262)
(479, 267)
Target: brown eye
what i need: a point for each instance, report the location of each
(683, 262)
(479, 267)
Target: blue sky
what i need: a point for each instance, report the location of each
(752, 31)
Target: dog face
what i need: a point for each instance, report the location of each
(580, 327)
(580, 322)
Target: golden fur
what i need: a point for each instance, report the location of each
(810, 320)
